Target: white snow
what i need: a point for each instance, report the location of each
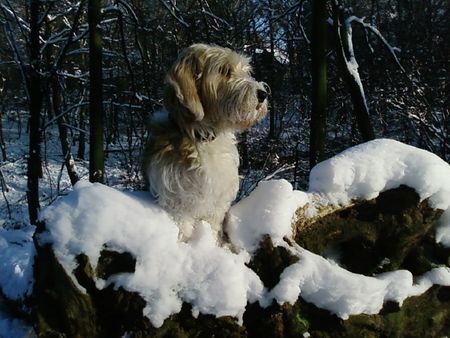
(363, 171)
(267, 211)
(215, 280)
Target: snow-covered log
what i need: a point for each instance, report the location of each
(364, 252)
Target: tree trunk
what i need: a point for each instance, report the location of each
(81, 134)
(319, 82)
(55, 100)
(96, 151)
(349, 69)
(34, 157)
(272, 111)
(2, 139)
(65, 145)
(2, 109)
(60, 310)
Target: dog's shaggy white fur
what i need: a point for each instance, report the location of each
(191, 159)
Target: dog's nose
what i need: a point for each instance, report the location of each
(261, 95)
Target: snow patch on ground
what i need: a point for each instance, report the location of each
(16, 262)
(16, 277)
(14, 328)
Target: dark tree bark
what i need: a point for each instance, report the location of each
(2, 139)
(34, 157)
(319, 82)
(272, 112)
(59, 306)
(81, 135)
(96, 151)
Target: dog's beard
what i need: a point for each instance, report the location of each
(235, 104)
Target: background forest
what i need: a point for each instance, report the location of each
(380, 69)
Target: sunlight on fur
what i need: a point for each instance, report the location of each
(191, 160)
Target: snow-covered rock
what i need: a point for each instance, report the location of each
(216, 279)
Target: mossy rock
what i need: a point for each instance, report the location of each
(269, 262)
(396, 229)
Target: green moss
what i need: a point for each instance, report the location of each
(301, 322)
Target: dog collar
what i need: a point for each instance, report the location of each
(211, 136)
(198, 135)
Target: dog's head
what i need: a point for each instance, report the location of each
(210, 89)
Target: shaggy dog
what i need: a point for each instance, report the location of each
(191, 160)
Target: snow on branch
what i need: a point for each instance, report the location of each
(217, 19)
(173, 9)
(392, 50)
(130, 10)
(17, 55)
(21, 23)
(11, 13)
(68, 110)
(71, 36)
(348, 53)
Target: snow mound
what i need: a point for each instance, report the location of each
(215, 280)
(267, 211)
(212, 279)
(363, 171)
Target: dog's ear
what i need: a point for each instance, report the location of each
(181, 85)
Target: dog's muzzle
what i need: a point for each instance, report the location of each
(263, 93)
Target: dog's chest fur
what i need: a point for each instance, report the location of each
(193, 180)
(219, 165)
